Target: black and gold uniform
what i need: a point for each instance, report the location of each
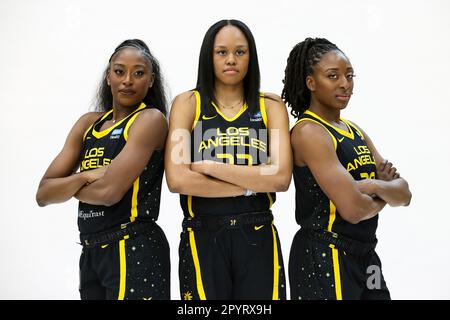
(229, 247)
(125, 253)
(331, 258)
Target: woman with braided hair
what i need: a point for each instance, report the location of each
(119, 151)
(342, 182)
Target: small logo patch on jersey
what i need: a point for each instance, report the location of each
(340, 140)
(116, 133)
(208, 118)
(255, 117)
(258, 227)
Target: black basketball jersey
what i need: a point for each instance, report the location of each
(313, 208)
(141, 201)
(241, 140)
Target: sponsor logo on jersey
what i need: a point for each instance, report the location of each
(116, 133)
(91, 214)
(255, 117)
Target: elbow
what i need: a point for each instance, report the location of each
(352, 215)
(40, 202)
(408, 198)
(40, 199)
(111, 197)
(278, 183)
(173, 184)
(408, 195)
(282, 184)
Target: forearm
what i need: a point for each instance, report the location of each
(199, 185)
(371, 208)
(394, 192)
(96, 193)
(57, 190)
(262, 178)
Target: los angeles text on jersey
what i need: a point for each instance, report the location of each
(363, 157)
(218, 142)
(93, 159)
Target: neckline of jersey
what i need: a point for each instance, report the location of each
(237, 115)
(347, 134)
(102, 133)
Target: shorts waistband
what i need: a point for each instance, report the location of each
(101, 238)
(227, 222)
(339, 241)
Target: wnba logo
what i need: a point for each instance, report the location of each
(374, 280)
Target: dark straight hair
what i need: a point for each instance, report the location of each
(155, 97)
(206, 77)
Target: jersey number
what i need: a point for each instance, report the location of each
(366, 175)
(230, 157)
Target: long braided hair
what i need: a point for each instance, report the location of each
(300, 64)
(155, 97)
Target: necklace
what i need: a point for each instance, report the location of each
(115, 120)
(230, 107)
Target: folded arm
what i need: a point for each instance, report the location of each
(272, 177)
(146, 134)
(389, 186)
(60, 182)
(180, 178)
(314, 147)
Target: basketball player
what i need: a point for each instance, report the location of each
(342, 182)
(119, 154)
(235, 142)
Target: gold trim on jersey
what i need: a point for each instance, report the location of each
(332, 216)
(337, 272)
(237, 115)
(128, 125)
(134, 200)
(189, 200)
(198, 108)
(349, 134)
(123, 269)
(198, 272)
(276, 266)
(86, 132)
(270, 199)
(315, 121)
(351, 124)
(101, 134)
(262, 107)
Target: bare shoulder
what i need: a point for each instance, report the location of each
(185, 101)
(310, 133)
(272, 99)
(276, 111)
(152, 118)
(86, 120)
(91, 116)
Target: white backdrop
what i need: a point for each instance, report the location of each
(51, 59)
